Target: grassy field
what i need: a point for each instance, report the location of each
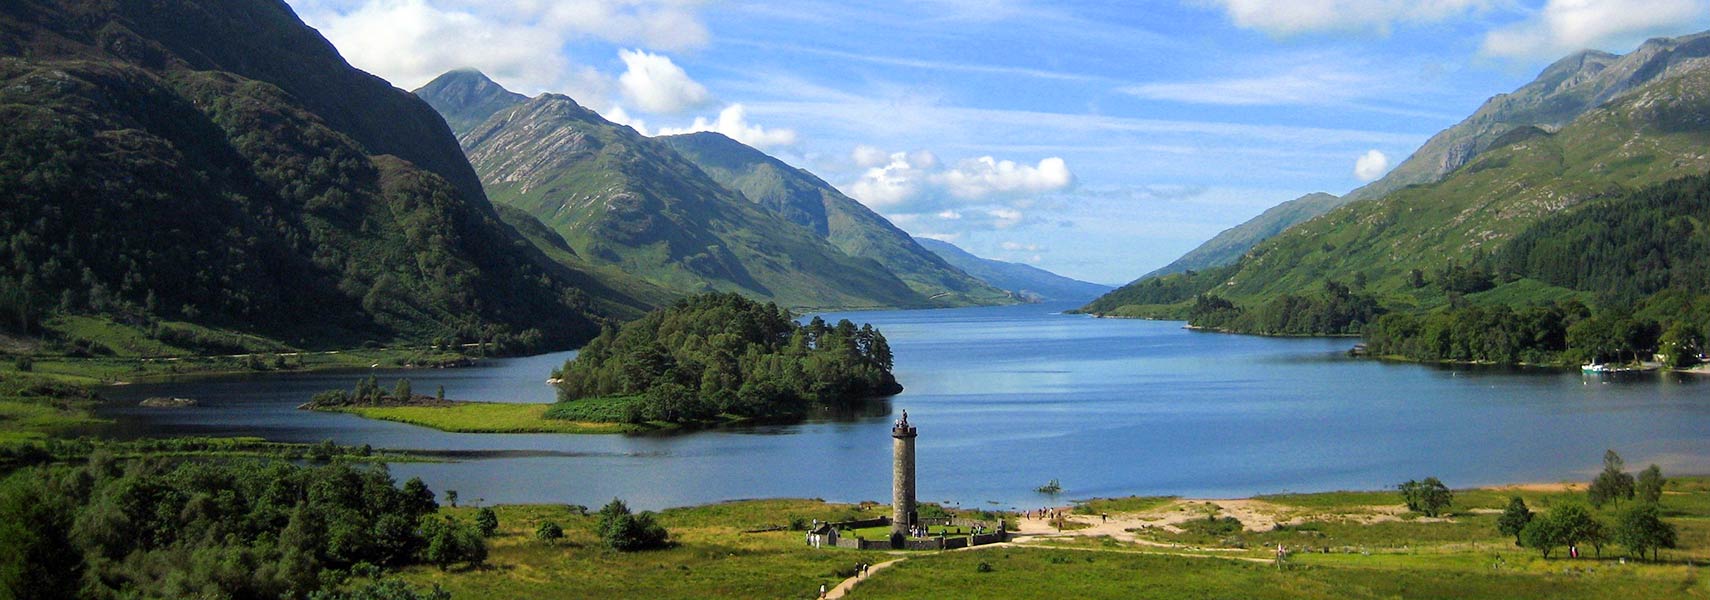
(713, 558)
(486, 417)
(1063, 573)
(1335, 555)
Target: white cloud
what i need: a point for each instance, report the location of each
(733, 123)
(1371, 165)
(1292, 17)
(985, 176)
(1020, 247)
(914, 182)
(868, 157)
(657, 85)
(519, 43)
(1314, 85)
(1566, 26)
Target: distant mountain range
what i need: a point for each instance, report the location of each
(806, 200)
(1561, 93)
(669, 210)
(1417, 246)
(1024, 281)
(218, 163)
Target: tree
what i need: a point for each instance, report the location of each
(487, 522)
(1543, 534)
(35, 534)
(627, 532)
(549, 532)
(1680, 344)
(451, 498)
(1514, 519)
(450, 541)
(418, 499)
(401, 392)
(1613, 484)
(1430, 496)
(1650, 486)
(1641, 528)
(1579, 525)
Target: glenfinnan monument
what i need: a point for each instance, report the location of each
(902, 476)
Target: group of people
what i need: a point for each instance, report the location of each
(1045, 513)
(860, 573)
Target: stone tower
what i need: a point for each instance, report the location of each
(902, 476)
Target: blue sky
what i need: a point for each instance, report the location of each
(1099, 140)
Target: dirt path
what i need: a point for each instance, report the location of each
(843, 588)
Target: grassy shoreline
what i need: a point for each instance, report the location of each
(487, 417)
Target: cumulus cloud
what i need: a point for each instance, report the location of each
(868, 157)
(1565, 26)
(985, 176)
(517, 42)
(1293, 17)
(914, 182)
(1371, 165)
(733, 123)
(657, 85)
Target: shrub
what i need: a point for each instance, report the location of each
(627, 532)
(487, 522)
(549, 532)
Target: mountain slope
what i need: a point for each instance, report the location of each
(627, 201)
(1231, 243)
(806, 200)
(1025, 281)
(1424, 245)
(1563, 91)
(219, 163)
(466, 97)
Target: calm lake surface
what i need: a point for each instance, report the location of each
(1009, 398)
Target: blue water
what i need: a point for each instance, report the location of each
(1009, 398)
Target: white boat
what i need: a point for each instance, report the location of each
(1595, 368)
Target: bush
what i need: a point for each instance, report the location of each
(450, 541)
(487, 522)
(627, 532)
(549, 532)
(983, 567)
(1429, 497)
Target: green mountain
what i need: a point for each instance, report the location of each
(1025, 281)
(466, 97)
(629, 202)
(1562, 92)
(178, 164)
(801, 198)
(1228, 246)
(1429, 245)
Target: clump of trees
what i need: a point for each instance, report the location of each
(244, 529)
(718, 354)
(1639, 528)
(368, 392)
(625, 531)
(1336, 309)
(1429, 496)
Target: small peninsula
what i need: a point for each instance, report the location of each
(720, 357)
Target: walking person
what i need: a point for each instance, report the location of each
(822, 591)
